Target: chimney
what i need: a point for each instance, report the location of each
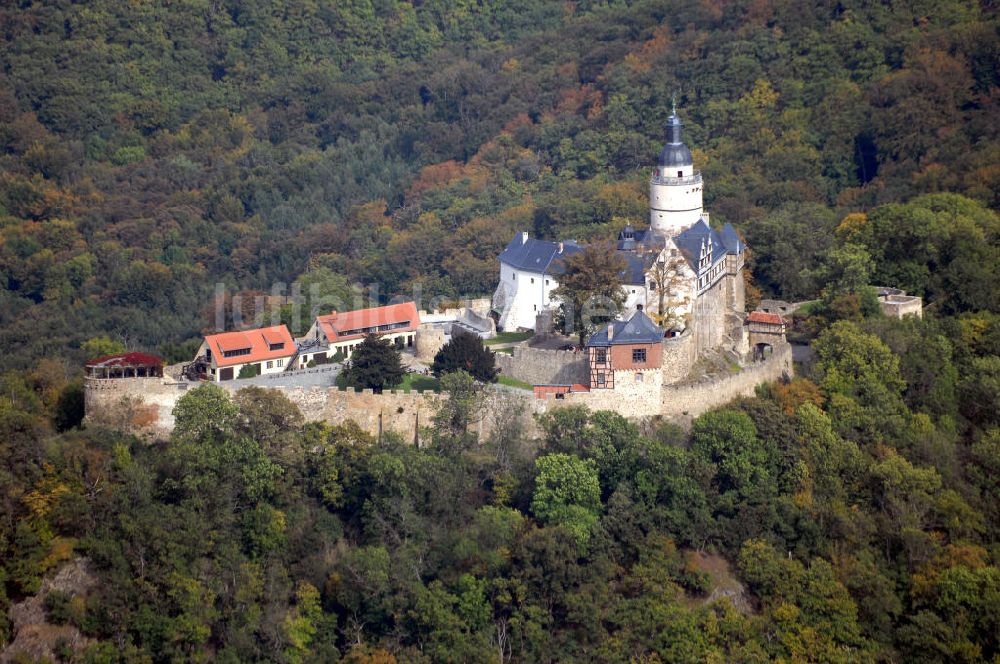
(560, 247)
(611, 331)
(524, 237)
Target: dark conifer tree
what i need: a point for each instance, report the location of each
(375, 364)
(466, 351)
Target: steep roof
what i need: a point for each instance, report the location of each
(726, 241)
(402, 317)
(731, 239)
(630, 239)
(259, 342)
(639, 329)
(636, 266)
(538, 256)
(674, 153)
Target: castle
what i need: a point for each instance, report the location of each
(683, 276)
(684, 317)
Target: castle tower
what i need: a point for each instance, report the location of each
(675, 188)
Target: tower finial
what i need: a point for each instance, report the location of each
(673, 102)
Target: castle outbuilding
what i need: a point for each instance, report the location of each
(625, 352)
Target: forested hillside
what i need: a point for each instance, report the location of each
(151, 150)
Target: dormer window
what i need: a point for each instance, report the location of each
(277, 346)
(236, 352)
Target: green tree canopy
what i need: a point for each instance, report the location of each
(466, 351)
(375, 364)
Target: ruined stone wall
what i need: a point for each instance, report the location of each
(897, 306)
(545, 367)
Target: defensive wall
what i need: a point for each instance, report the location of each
(681, 401)
(539, 366)
(144, 406)
(679, 355)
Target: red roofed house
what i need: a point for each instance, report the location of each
(269, 349)
(345, 330)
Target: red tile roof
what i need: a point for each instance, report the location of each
(259, 341)
(126, 360)
(356, 324)
(764, 317)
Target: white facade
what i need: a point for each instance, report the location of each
(679, 289)
(524, 294)
(265, 367)
(675, 199)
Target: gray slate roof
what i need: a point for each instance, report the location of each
(726, 241)
(639, 329)
(637, 265)
(629, 239)
(539, 256)
(674, 153)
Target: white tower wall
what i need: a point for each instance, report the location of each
(675, 203)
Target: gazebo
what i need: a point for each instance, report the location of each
(125, 365)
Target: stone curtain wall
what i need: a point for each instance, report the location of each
(630, 397)
(693, 399)
(144, 406)
(682, 401)
(679, 354)
(545, 367)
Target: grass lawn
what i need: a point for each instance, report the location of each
(513, 382)
(417, 382)
(509, 351)
(508, 338)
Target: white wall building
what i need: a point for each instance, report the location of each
(267, 350)
(528, 271)
(676, 261)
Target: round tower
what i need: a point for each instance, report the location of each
(675, 188)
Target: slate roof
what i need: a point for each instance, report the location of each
(726, 241)
(674, 153)
(731, 239)
(639, 329)
(629, 239)
(637, 265)
(538, 256)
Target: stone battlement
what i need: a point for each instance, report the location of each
(681, 401)
(145, 405)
